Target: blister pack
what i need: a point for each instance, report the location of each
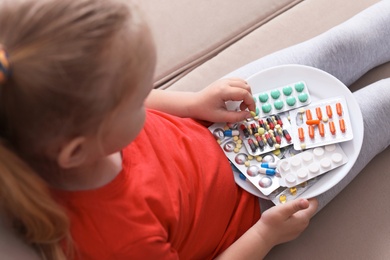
(321, 123)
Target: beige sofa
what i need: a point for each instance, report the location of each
(201, 41)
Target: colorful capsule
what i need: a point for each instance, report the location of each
(269, 139)
(313, 122)
(266, 171)
(332, 128)
(277, 137)
(308, 115)
(342, 125)
(329, 111)
(231, 133)
(279, 120)
(252, 145)
(244, 130)
(311, 131)
(301, 134)
(260, 142)
(321, 129)
(339, 109)
(270, 123)
(286, 135)
(261, 123)
(253, 128)
(270, 165)
(319, 113)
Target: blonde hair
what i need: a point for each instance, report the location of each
(65, 56)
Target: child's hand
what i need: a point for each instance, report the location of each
(286, 222)
(209, 103)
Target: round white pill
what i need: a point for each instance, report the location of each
(330, 148)
(295, 162)
(318, 152)
(284, 166)
(337, 157)
(325, 163)
(290, 178)
(314, 168)
(302, 173)
(307, 157)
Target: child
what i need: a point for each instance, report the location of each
(134, 183)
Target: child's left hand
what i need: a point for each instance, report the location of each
(209, 103)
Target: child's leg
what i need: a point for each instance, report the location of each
(347, 51)
(374, 102)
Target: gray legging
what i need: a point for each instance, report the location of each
(347, 52)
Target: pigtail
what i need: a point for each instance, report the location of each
(26, 200)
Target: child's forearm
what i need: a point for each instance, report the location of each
(251, 245)
(172, 102)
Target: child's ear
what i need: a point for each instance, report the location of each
(73, 153)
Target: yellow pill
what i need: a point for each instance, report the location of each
(253, 114)
(303, 146)
(219, 141)
(247, 163)
(226, 127)
(325, 119)
(250, 157)
(238, 146)
(236, 150)
(277, 127)
(276, 152)
(259, 158)
(293, 191)
(261, 130)
(277, 146)
(283, 198)
(235, 138)
(239, 141)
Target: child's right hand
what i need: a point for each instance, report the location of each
(286, 222)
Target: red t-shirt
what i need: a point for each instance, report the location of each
(174, 199)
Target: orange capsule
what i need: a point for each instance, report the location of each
(311, 131)
(342, 125)
(308, 115)
(301, 134)
(312, 122)
(319, 113)
(332, 128)
(329, 111)
(339, 109)
(321, 129)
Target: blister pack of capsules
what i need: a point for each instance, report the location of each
(282, 99)
(321, 123)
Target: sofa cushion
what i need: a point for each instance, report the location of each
(212, 26)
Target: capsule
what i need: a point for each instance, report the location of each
(261, 124)
(269, 165)
(311, 131)
(266, 171)
(270, 123)
(279, 120)
(308, 115)
(277, 137)
(319, 113)
(231, 133)
(260, 142)
(332, 128)
(252, 145)
(339, 109)
(286, 135)
(321, 129)
(313, 122)
(301, 134)
(342, 125)
(244, 130)
(269, 139)
(254, 128)
(329, 111)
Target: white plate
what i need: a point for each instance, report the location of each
(321, 85)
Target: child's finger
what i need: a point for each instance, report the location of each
(293, 207)
(239, 94)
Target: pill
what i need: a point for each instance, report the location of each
(269, 140)
(242, 176)
(299, 87)
(277, 137)
(271, 165)
(229, 146)
(332, 128)
(308, 115)
(253, 128)
(253, 113)
(265, 182)
(301, 134)
(303, 97)
(263, 97)
(290, 178)
(253, 170)
(266, 108)
(236, 150)
(319, 113)
(339, 109)
(275, 94)
(278, 104)
(314, 168)
(293, 191)
(231, 133)
(330, 147)
(287, 90)
(286, 135)
(302, 173)
(244, 130)
(270, 123)
(270, 172)
(247, 163)
(295, 162)
(291, 101)
(313, 122)
(241, 158)
(284, 166)
(321, 129)
(252, 145)
(259, 158)
(307, 157)
(342, 125)
(311, 131)
(279, 120)
(325, 163)
(318, 151)
(337, 158)
(303, 146)
(261, 123)
(329, 111)
(260, 142)
(282, 198)
(325, 119)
